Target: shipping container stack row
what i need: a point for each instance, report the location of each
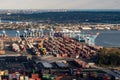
(17, 68)
(18, 76)
(79, 75)
(69, 47)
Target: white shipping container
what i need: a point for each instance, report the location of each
(0, 78)
(18, 76)
(26, 78)
(21, 77)
(10, 76)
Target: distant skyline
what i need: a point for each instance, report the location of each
(59, 4)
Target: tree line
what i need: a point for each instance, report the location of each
(109, 56)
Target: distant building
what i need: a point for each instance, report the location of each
(86, 28)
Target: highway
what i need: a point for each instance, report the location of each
(108, 71)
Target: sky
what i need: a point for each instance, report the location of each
(59, 4)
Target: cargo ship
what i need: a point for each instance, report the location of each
(87, 38)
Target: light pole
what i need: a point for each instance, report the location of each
(25, 33)
(41, 32)
(17, 33)
(4, 33)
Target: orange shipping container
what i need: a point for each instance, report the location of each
(35, 79)
(2, 51)
(35, 76)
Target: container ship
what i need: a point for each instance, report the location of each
(87, 38)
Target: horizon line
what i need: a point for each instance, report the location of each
(59, 9)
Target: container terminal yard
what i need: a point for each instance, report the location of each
(51, 55)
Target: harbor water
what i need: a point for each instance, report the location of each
(106, 38)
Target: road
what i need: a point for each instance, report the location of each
(108, 71)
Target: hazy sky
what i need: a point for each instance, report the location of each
(60, 4)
